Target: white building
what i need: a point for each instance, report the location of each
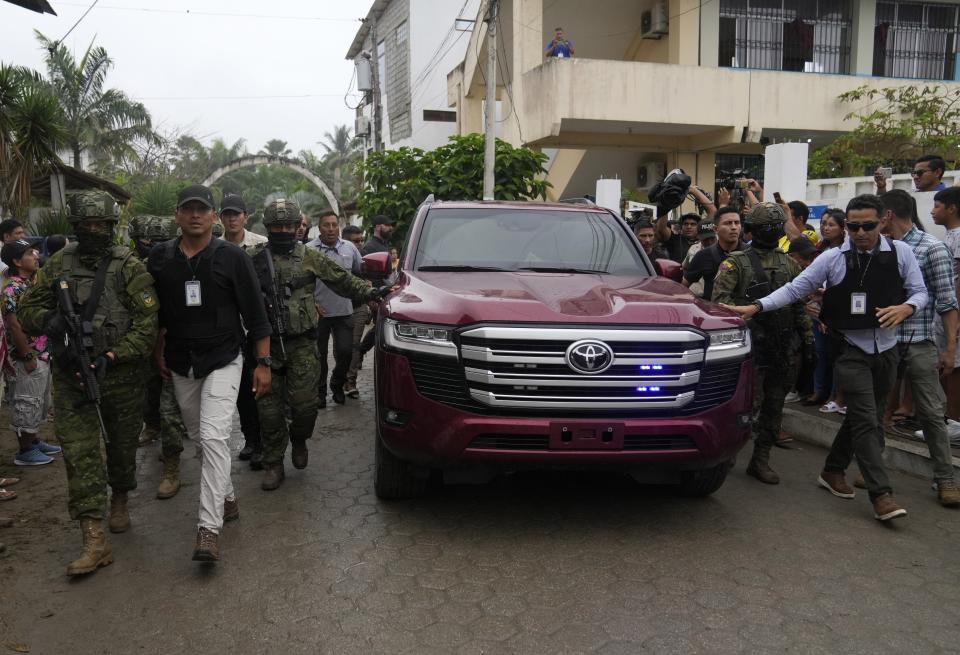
(416, 43)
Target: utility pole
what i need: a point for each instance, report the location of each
(375, 69)
(489, 155)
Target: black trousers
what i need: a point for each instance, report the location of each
(247, 407)
(341, 328)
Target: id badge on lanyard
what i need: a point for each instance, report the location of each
(191, 289)
(858, 304)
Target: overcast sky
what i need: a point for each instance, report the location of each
(188, 61)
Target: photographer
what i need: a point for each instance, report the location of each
(677, 245)
(559, 47)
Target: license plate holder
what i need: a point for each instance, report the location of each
(586, 436)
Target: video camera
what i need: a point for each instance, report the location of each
(732, 182)
(671, 192)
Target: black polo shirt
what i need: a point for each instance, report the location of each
(374, 244)
(208, 336)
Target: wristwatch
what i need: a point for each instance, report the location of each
(758, 305)
(265, 361)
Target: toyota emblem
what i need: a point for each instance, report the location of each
(589, 357)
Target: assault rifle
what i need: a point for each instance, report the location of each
(274, 301)
(79, 341)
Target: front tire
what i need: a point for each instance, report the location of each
(394, 478)
(700, 484)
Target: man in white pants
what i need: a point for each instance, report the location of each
(204, 286)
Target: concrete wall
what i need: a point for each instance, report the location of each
(829, 190)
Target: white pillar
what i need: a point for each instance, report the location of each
(785, 170)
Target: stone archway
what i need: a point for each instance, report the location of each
(262, 160)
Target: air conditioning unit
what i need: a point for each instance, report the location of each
(654, 22)
(361, 126)
(649, 173)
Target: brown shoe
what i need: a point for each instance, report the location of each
(207, 546)
(119, 517)
(859, 482)
(96, 549)
(350, 388)
(298, 453)
(170, 478)
(836, 484)
(231, 509)
(886, 508)
(273, 476)
(148, 435)
(759, 466)
(948, 494)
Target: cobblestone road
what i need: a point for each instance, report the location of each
(534, 563)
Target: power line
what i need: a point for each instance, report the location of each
(84, 15)
(193, 12)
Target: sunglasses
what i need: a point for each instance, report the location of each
(919, 172)
(868, 226)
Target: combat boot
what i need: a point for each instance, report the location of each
(759, 466)
(148, 435)
(96, 549)
(298, 453)
(170, 478)
(119, 517)
(273, 476)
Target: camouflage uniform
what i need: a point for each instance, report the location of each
(124, 323)
(161, 414)
(295, 367)
(776, 336)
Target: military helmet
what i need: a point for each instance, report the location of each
(93, 206)
(765, 213)
(281, 212)
(137, 227)
(163, 228)
(217, 228)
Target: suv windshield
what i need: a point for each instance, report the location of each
(503, 239)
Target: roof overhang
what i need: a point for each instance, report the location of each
(376, 11)
(39, 6)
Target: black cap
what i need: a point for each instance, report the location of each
(802, 246)
(380, 219)
(195, 192)
(14, 250)
(233, 202)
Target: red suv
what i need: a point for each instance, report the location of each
(528, 334)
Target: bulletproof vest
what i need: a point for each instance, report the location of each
(217, 317)
(294, 289)
(773, 332)
(111, 320)
(878, 277)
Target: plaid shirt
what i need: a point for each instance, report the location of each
(936, 264)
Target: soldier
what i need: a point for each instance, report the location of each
(161, 413)
(110, 289)
(744, 277)
(288, 273)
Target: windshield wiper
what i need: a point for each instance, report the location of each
(558, 269)
(458, 268)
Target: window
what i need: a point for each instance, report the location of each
(810, 36)
(439, 116)
(401, 33)
(915, 40)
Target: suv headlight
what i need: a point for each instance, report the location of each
(420, 338)
(732, 343)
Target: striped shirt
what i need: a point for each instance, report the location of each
(936, 264)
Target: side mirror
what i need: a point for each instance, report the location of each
(669, 269)
(376, 267)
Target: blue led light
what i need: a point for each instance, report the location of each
(641, 388)
(654, 388)
(645, 389)
(657, 367)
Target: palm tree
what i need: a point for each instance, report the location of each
(276, 148)
(31, 133)
(341, 149)
(102, 121)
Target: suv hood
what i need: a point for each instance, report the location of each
(527, 297)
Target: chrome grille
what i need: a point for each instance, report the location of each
(525, 368)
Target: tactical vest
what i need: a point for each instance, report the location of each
(294, 289)
(773, 332)
(218, 315)
(111, 320)
(879, 279)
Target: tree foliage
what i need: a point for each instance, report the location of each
(31, 132)
(102, 121)
(895, 125)
(397, 181)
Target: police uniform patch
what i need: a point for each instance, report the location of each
(148, 299)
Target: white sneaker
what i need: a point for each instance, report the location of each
(830, 408)
(792, 397)
(953, 432)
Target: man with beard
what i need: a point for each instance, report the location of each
(379, 241)
(111, 290)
